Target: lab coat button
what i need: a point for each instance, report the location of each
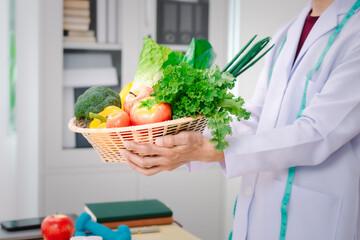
(248, 191)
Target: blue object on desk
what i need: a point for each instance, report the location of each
(84, 223)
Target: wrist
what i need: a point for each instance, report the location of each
(209, 154)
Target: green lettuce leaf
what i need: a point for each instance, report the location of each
(174, 58)
(200, 54)
(190, 54)
(149, 69)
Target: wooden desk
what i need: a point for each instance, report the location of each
(167, 232)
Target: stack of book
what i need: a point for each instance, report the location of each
(77, 20)
(91, 21)
(130, 213)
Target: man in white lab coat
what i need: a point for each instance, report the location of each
(323, 142)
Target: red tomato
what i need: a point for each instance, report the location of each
(118, 119)
(158, 113)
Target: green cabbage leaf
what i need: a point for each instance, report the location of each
(152, 58)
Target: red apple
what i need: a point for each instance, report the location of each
(135, 96)
(57, 227)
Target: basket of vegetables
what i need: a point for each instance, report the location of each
(171, 92)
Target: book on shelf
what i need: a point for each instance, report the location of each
(80, 39)
(89, 33)
(139, 222)
(134, 213)
(76, 27)
(77, 4)
(73, 12)
(79, 20)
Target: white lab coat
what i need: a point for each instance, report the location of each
(324, 144)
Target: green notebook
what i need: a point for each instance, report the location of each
(129, 210)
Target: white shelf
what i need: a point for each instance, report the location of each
(91, 46)
(176, 47)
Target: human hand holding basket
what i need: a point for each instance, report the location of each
(109, 141)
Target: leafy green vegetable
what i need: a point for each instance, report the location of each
(190, 54)
(95, 99)
(192, 92)
(174, 58)
(193, 86)
(247, 60)
(149, 69)
(200, 54)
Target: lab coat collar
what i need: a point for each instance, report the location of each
(293, 36)
(343, 6)
(326, 22)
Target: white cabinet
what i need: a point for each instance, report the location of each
(195, 198)
(70, 177)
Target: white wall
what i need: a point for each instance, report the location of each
(7, 138)
(262, 17)
(28, 44)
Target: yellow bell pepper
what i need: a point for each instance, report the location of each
(108, 110)
(99, 120)
(96, 123)
(125, 91)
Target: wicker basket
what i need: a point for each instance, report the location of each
(108, 141)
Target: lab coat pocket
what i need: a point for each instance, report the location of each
(311, 215)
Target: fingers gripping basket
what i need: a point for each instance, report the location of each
(108, 141)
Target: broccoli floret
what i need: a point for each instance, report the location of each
(95, 99)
